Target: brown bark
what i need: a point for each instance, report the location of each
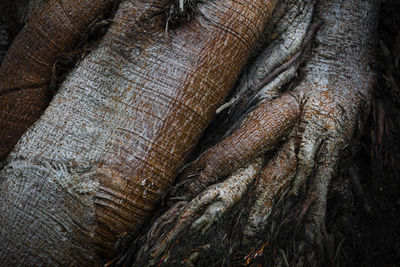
(83, 180)
(262, 129)
(333, 92)
(86, 176)
(26, 70)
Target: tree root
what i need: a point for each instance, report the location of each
(314, 121)
(208, 207)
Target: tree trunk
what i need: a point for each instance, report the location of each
(32, 57)
(89, 179)
(82, 181)
(333, 90)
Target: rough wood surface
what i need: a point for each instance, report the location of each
(84, 178)
(27, 68)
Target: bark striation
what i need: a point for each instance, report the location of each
(85, 177)
(332, 92)
(27, 68)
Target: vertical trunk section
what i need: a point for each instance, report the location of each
(340, 65)
(84, 178)
(26, 70)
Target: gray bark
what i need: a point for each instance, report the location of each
(85, 177)
(334, 91)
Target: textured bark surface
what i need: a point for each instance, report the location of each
(261, 130)
(84, 178)
(337, 88)
(82, 181)
(333, 91)
(26, 70)
(13, 16)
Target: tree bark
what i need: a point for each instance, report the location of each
(27, 69)
(335, 88)
(83, 180)
(13, 16)
(80, 183)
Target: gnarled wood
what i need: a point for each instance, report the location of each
(335, 86)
